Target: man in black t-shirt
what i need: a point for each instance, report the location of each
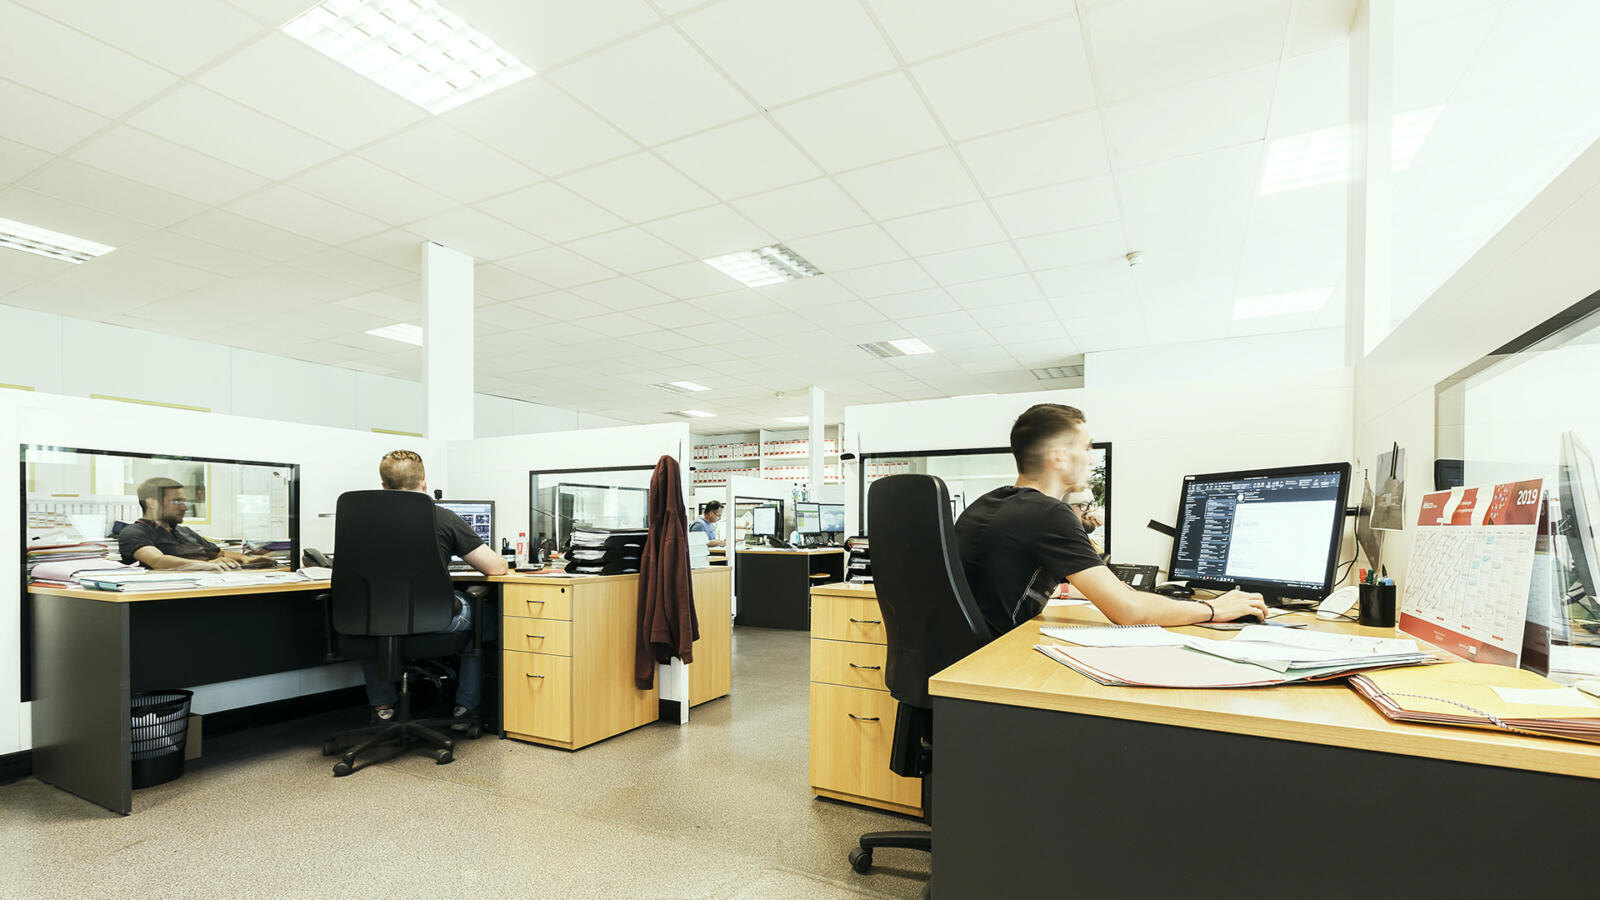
(159, 539)
(1018, 543)
(402, 470)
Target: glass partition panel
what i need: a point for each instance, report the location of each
(566, 500)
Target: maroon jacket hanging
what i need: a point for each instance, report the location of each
(667, 623)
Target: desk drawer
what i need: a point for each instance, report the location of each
(849, 664)
(852, 733)
(538, 695)
(837, 618)
(538, 601)
(537, 636)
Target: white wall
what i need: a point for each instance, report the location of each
(332, 461)
(1159, 433)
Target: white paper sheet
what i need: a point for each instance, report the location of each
(1567, 696)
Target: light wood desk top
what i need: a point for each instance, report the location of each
(1009, 671)
(139, 596)
(845, 589)
(778, 551)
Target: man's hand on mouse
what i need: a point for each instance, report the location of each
(1236, 603)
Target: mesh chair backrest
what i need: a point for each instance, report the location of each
(388, 578)
(929, 614)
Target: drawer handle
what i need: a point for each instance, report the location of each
(537, 601)
(866, 621)
(537, 636)
(531, 675)
(855, 666)
(862, 718)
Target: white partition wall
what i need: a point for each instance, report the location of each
(1159, 433)
(332, 460)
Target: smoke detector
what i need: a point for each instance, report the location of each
(1135, 258)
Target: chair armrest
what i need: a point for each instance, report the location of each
(330, 640)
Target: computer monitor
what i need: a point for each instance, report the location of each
(1580, 502)
(807, 518)
(478, 514)
(1272, 531)
(764, 521)
(832, 518)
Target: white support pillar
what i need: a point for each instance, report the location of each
(447, 322)
(1370, 235)
(814, 432)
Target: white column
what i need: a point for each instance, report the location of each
(1369, 246)
(814, 436)
(447, 367)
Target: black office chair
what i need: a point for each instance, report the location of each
(931, 621)
(391, 595)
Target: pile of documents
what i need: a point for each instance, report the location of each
(68, 572)
(93, 551)
(1478, 695)
(859, 568)
(1258, 656)
(699, 550)
(138, 580)
(605, 551)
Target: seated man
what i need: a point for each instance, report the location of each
(707, 523)
(402, 470)
(1092, 517)
(160, 541)
(1019, 542)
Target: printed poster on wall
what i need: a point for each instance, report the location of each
(1471, 564)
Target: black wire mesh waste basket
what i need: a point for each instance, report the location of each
(160, 732)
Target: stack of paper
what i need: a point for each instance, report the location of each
(699, 550)
(66, 573)
(94, 551)
(1478, 695)
(140, 581)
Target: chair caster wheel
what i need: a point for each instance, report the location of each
(474, 731)
(330, 747)
(342, 768)
(861, 860)
(443, 756)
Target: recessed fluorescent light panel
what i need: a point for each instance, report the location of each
(405, 333)
(695, 414)
(1323, 157)
(795, 420)
(415, 48)
(53, 244)
(768, 265)
(1281, 304)
(688, 386)
(901, 347)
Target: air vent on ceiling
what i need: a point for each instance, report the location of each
(1051, 373)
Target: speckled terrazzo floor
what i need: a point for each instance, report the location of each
(720, 809)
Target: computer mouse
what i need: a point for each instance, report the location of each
(1174, 589)
(1248, 620)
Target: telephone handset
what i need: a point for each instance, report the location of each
(315, 557)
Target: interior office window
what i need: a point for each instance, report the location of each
(969, 474)
(1526, 411)
(567, 500)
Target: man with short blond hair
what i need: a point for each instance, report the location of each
(402, 470)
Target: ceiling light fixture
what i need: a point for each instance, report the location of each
(1323, 156)
(694, 414)
(52, 244)
(404, 332)
(795, 420)
(900, 347)
(1051, 373)
(688, 386)
(415, 48)
(767, 265)
(1281, 304)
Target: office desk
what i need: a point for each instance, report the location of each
(774, 586)
(568, 650)
(1045, 779)
(93, 649)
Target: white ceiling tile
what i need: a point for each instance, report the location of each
(557, 266)
(638, 188)
(780, 51)
(122, 197)
(353, 268)
(996, 292)
(247, 235)
(1037, 74)
(42, 121)
(628, 250)
(472, 232)
(542, 33)
(710, 232)
(921, 28)
(1313, 93)
(274, 13)
(1105, 275)
(973, 264)
(218, 127)
(618, 325)
(958, 322)
(396, 247)
(178, 248)
(689, 280)
(1063, 149)
(931, 180)
(551, 212)
(285, 207)
(815, 291)
(715, 333)
(124, 268)
(384, 305)
(1079, 245)
(510, 317)
(291, 82)
(622, 293)
(370, 189)
(295, 282)
(1191, 211)
(17, 160)
(78, 69)
(1059, 208)
(889, 278)
(1192, 118)
(850, 248)
(1031, 313)
(861, 124)
(1319, 24)
(947, 229)
(914, 304)
(738, 305)
(661, 339)
(537, 125)
(177, 35)
(441, 158)
(1164, 43)
(838, 316)
(740, 158)
(161, 163)
(675, 315)
(802, 209)
(782, 325)
(501, 283)
(641, 84)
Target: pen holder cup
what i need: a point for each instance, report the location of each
(1377, 605)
